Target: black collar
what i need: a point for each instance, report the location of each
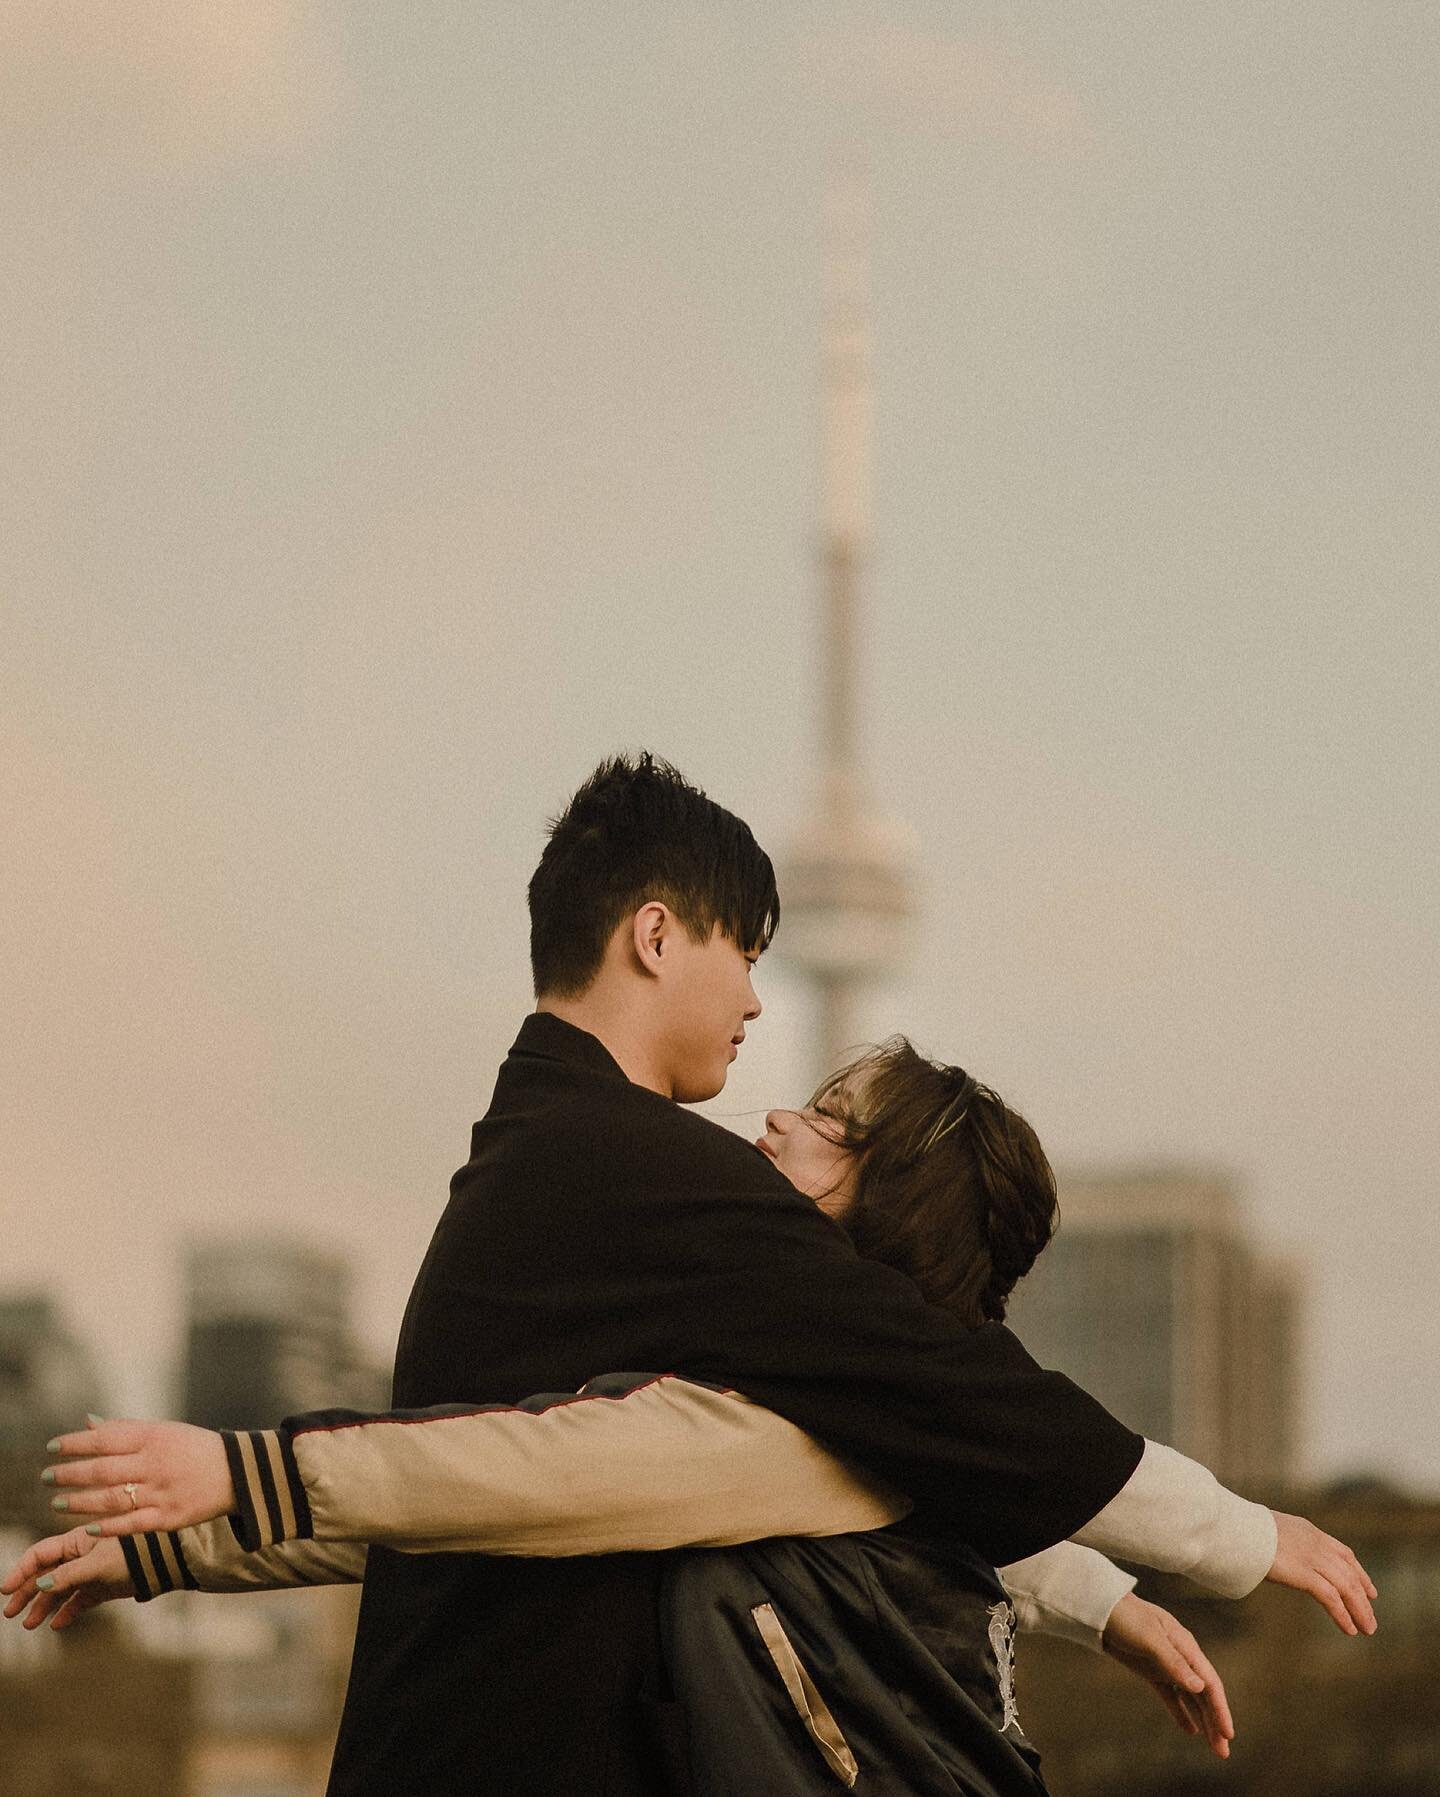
(550, 1037)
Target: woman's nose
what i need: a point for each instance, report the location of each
(773, 1121)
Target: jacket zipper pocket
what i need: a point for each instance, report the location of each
(810, 1706)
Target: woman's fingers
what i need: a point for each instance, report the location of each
(1213, 1714)
(1209, 1705)
(1212, 1696)
(1307, 1559)
(113, 1469)
(105, 1500)
(74, 1606)
(180, 1474)
(81, 1574)
(1350, 1583)
(1179, 1707)
(1173, 1663)
(41, 1558)
(1354, 1571)
(1195, 1716)
(1332, 1600)
(63, 1576)
(1189, 1713)
(21, 1598)
(1350, 1565)
(142, 1521)
(97, 1488)
(1176, 1667)
(40, 1607)
(32, 1563)
(105, 1439)
(99, 1461)
(113, 1510)
(1356, 1588)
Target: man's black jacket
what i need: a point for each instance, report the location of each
(599, 1227)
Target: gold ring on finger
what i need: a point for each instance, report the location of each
(129, 1489)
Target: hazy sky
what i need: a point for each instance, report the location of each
(403, 409)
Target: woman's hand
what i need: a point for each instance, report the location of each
(1167, 1656)
(1307, 1559)
(63, 1576)
(176, 1474)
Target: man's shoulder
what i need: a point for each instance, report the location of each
(633, 1126)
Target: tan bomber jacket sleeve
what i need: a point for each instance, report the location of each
(622, 1465)
(209, 1558)
(1067, 1590)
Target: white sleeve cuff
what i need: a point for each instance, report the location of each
(1175, 1515)
(1067, 1591)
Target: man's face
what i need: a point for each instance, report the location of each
(709, 999)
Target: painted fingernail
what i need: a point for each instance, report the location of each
(93, 1420)
(60, 1503)
(45, 1584)
(92, 1528)
(53, 1447)
(48, 1475)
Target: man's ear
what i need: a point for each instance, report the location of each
(650, 929)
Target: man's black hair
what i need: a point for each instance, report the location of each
(638, 831)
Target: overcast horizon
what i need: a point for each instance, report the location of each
(402, 415)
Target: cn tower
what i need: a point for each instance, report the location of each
(847, 884)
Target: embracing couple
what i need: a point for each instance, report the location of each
(713, 1468)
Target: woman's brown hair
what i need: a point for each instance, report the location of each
(953, 1187)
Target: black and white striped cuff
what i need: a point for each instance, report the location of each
(271, 1504)
(156, 1565)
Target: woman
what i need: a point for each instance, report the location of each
(927, 1170)
(930, 1172)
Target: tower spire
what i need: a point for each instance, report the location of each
(847, 887)
(846, 502)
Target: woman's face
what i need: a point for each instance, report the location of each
(809, 1149)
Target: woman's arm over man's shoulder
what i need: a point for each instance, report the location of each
(636, 1462)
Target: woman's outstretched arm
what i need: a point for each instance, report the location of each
(65, 1575)
(557, 1475)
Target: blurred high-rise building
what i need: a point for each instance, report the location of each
(1152, 1298)
(268, 1333)
(48, 1381)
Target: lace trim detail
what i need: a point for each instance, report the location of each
(1002, 1641)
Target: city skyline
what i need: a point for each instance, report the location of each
(1207, 1327)
(393, 431)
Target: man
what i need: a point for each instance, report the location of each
(597, 1226)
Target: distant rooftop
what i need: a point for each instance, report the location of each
(1155, 1194)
